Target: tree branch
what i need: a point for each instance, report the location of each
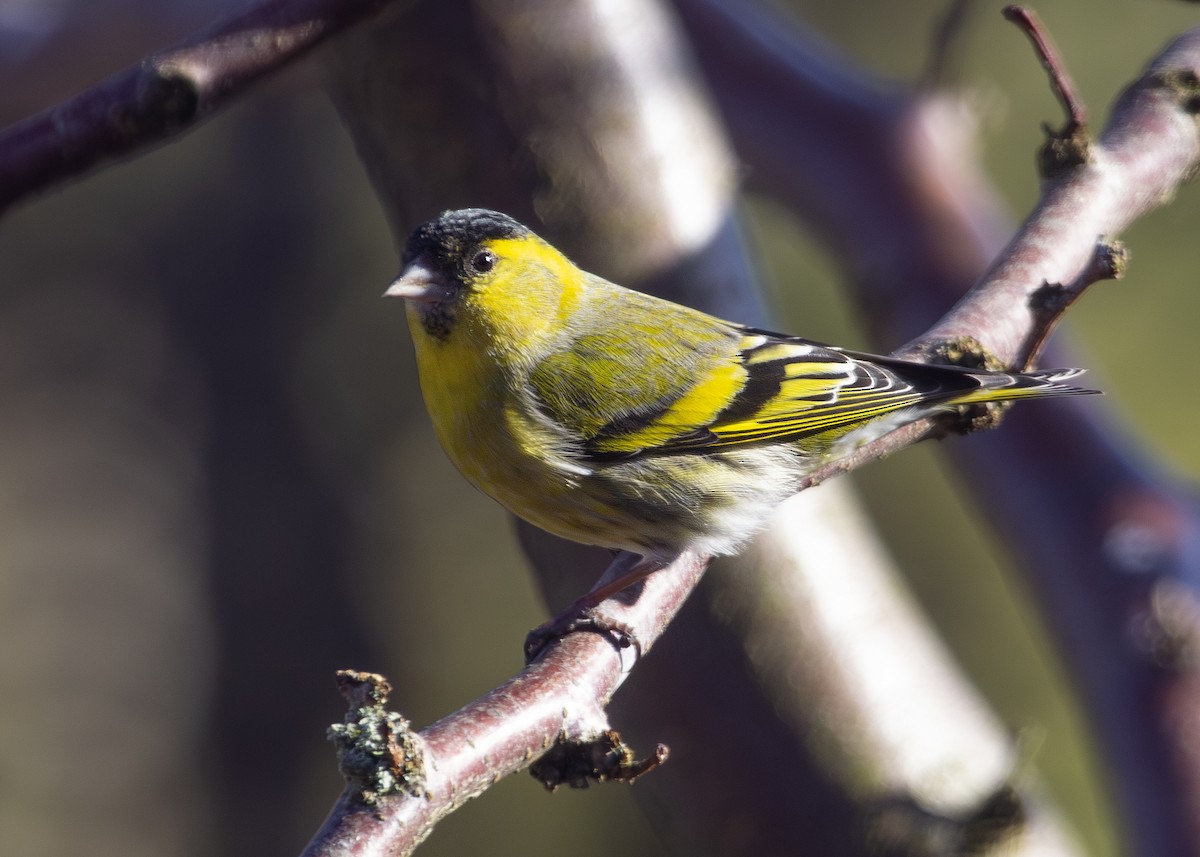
(559, 700)
(1060, 80)
(165, 94)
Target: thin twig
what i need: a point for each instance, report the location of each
(1060, 79)
(1053, 299)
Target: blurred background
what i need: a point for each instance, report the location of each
(218, 484)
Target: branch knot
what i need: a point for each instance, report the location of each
(607, 757)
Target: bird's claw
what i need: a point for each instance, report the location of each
(620, 634)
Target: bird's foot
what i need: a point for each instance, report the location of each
(580, 616)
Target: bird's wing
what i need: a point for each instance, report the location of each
(624, 388)
(710, 385)
(795, 389)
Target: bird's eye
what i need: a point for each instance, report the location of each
(483, 261)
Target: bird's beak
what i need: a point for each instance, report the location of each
(418, 283)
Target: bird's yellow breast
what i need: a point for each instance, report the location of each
(489, 433)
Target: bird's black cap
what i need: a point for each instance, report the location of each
(452, 234)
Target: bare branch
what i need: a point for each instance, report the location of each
(1060, 80)
(165, 94)
(558, 698)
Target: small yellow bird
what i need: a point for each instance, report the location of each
(614, 418)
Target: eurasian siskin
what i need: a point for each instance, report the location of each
(614, 418)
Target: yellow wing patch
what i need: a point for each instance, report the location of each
(699, 406)
(767, 389)
(796, 389)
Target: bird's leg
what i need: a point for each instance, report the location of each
(626, 570)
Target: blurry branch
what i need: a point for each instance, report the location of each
(887, 177)
(166, 93)
(1107, 541)
(943, 62)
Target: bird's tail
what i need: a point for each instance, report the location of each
(1000, 386)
